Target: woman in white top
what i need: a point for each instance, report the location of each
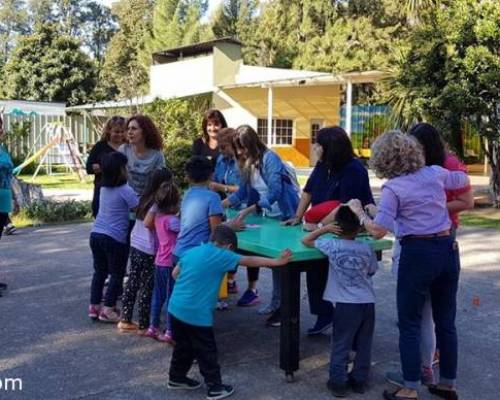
(267, 187)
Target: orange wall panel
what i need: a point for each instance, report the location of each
(293, 155)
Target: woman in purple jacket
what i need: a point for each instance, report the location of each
(413, 205)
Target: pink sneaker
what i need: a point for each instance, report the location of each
(109, 314)
(152, 333)
(166, 338)
(94, 310)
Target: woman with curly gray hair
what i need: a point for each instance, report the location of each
(413, 206)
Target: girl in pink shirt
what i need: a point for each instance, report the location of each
(167, 226)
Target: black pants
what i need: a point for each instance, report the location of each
(4, 217)
(110, 258)
(140, 281)
(194, 342)
(316, 282)
(354, 325)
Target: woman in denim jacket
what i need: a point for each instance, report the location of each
(267, 187)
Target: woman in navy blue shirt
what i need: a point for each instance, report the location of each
(338, 175)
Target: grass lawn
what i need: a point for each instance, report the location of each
(21, 220)
(60, 181)
(481, 217)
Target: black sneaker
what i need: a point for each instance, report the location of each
(275, 319)
(356, 386)
(184, 383)
(217, 392)
(323, 323)
(337, 389)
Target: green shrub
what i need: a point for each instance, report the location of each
(179, 122)
(53, 211)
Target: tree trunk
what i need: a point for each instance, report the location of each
(492, 151)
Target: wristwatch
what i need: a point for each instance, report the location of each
(320, 225)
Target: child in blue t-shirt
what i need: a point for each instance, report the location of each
(201, 208)
(199, 275)
(350, 289)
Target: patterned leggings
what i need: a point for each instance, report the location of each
(141, 279)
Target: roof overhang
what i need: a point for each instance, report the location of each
(318, 80)
(136, 101)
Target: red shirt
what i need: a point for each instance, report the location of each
(452, 163)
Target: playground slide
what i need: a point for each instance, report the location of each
(39, 154)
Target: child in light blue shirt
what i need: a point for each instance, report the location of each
(198, 278)
(201, 208)
(350, 289)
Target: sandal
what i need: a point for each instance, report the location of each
(447, 394)
(393, 396)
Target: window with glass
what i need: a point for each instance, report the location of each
(282, 127)
(316, 125)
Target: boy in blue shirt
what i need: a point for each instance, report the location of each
(199, 275)
(201, 208)
(350, 289)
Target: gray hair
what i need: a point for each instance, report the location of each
(394, 154)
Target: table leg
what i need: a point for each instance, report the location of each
(290, 320)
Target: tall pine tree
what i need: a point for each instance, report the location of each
(237, 18)
(124, 75)
(13, 22)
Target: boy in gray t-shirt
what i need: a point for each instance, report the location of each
(350, 288)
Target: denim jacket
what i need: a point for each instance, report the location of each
(227, 171)
(280, 188)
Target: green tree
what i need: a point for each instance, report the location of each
(69, 15)
(40, 12)
(179, 122)
(98, 27)
(275, 42)
(451, 74)
(237, 18)
(49, 66)
(175, 23)
(13, 22)
(124, 73)
(232, 17)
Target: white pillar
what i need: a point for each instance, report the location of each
(348, 109)
(269, 116)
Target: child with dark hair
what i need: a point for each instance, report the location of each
(108, 239)
(166, 225)
(201, 208)
(113, 136)
(199, 275)
(143, 246)
(349, 288)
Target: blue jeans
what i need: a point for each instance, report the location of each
(110, 258)
(354, 325)
(164, 284)
(428, 267)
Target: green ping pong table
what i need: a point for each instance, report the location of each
(267, 237)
